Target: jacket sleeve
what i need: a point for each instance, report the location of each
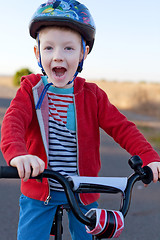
(15, 123)
(124, 132)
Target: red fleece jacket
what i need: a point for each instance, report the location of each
(26, 132)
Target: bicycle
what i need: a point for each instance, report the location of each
(96, 220)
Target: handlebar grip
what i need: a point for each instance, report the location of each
(148, 177)
(8, 172)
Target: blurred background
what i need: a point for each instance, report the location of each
(127, 45)
(125, 58)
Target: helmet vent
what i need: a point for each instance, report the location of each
(56, 4)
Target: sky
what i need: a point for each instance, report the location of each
(127, 44)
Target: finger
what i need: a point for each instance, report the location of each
(35, 167)
(16, 162)
(38, 166)
(21, 171)
(27, 170)
(42, 165)
(155, 166)
(155, 174)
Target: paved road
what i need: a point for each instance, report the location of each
(142, 221)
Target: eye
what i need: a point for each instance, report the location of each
(48, 48)
(69, 48)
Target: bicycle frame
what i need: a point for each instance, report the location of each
(57, 228)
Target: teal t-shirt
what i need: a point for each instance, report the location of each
(71, 121)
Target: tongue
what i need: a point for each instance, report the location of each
(59, 71)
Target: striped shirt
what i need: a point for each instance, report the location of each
(62, 135)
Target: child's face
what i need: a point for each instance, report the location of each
(61, 53)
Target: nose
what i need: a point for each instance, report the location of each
(58, 55)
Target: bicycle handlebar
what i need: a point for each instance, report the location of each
(11, 172)
(144, 174)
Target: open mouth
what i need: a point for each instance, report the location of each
(59, 71)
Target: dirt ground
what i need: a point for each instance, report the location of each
(141, 97)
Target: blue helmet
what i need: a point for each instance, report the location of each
(69, 13)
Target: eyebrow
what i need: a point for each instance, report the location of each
(69, 41)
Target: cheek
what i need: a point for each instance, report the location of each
(75, 60)
(45, 59)
(81, 56)
(74, 64)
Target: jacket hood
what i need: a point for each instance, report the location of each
(33, 79)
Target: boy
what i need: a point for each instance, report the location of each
(53, 122)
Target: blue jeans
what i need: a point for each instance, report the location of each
(36, 219)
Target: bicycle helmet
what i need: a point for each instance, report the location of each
(69, 13)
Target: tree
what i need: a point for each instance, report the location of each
(17, 76)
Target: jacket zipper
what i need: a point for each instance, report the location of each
(49, 194)
(47, 200)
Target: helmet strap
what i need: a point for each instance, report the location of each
(40, 62)
(80, 66)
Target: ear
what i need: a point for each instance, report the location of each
(36, 52)
(86, 53)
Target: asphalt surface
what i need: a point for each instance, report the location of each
(142, 221)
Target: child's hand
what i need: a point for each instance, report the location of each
(24, 165)
(155, 166)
